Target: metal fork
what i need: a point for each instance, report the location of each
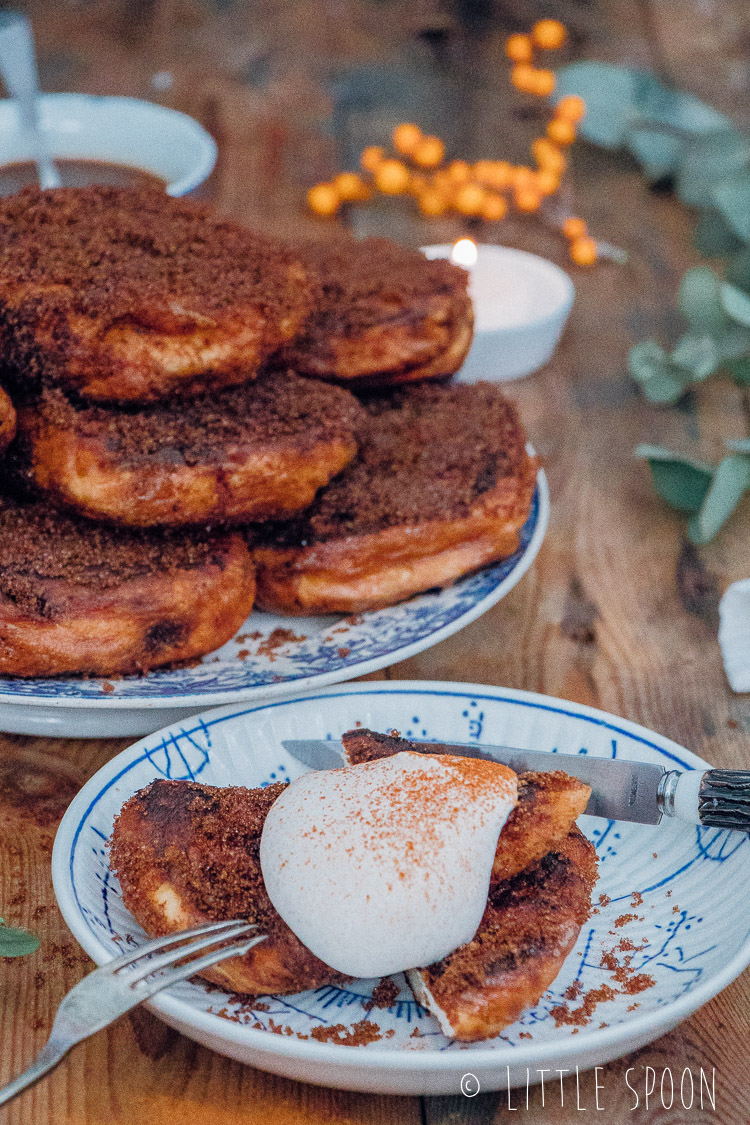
(121, 984)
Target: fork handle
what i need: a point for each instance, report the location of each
(50, 1055)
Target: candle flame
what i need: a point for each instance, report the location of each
(464, 253)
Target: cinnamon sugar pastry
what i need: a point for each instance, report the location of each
(441, 486)
(79, 598)
(7, 421)
(387, 315)
(530, 925)
(130, 296)
(187, 853)
(246, 453)
(548, 805)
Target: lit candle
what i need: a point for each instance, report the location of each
(464, 253)
(521, 303)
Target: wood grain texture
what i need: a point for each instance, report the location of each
(618, 611)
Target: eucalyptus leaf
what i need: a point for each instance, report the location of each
(732, 197)
(678, 110)
(15, 942)
(730, 482)
(739, 369)
(738, 269)
(713, 238)
(682, 482)
(698, 355)
(659, 378)
(699, 299)
(659, 153)
(736, 304)
(738, 445)
(610, 93)
(708, 160)
(733, 343)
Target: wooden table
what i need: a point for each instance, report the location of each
(618, 610)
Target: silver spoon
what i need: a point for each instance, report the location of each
(19, 73)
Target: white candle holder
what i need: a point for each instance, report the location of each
(521, 305)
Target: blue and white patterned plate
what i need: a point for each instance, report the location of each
(271, 656)
(662, 938)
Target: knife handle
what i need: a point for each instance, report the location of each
(715, 799)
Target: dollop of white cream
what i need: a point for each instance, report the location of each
(385, 866)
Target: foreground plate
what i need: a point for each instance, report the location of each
(667, 891)
(271, 657)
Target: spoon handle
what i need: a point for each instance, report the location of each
(19, 73)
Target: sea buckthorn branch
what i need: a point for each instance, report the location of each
(487, 189)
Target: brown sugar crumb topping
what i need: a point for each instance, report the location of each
(426, 452)
(276, 640)
(121, 253)
(369, 282)
(213, 849)
(277, 409)
(384, 994)
(358, 1035)
(39, 545)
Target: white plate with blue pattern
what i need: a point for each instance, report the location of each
(270, 657)
(667, 895)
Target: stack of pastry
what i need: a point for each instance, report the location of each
(204, 415)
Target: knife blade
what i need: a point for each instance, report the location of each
(620, 789)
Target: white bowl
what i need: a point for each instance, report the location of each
(128, 131)
(689, 927)
(521, 305)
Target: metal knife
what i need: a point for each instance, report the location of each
(620, 789)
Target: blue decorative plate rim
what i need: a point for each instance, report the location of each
(172, 1009)
(382, 637)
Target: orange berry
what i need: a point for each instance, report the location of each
(459, 171)
(417, 183)
(583, 251)
(431, 202)
(323, 199)
(484, 171)
(429, 152)
(561, 132)
(406, 137)
(469, 199)
(547, 181)
(543, 83)
(392, 177)
(571, 108)
(372, 157)
(522, 177)
(522, 77)
(549, 34)
(528, 198)
(494, 207)
(442, 181)
(492, 173)
(519, 48)
(548, 156)
(351, 186)
(501, 174)
(574, 228)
